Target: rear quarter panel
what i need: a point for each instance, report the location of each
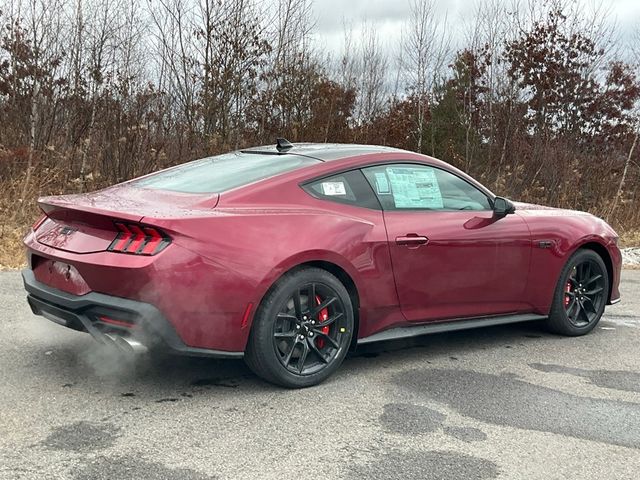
(247, 249)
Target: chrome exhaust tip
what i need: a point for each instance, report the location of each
(127, 345)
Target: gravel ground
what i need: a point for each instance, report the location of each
(631, 256)
(503, 402)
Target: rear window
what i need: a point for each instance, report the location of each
(223, 172)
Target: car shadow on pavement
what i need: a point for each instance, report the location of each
(456, 344)
(88, 364)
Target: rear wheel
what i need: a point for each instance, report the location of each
(302, 330)
(580, 296)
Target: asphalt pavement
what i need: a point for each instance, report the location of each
(501, 402)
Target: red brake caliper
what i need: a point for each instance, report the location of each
(323, 316)
(567, 299)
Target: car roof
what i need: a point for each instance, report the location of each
(323, 151)
(338, 157)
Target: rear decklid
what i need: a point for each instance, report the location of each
(86, 223)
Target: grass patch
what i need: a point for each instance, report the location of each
(630, 239)
(12, 251)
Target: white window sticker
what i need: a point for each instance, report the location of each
(415, 187)
(333, 188)
(382, 184)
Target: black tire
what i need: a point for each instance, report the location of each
(295, 343)
(580, 295)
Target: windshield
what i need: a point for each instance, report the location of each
(223, 172)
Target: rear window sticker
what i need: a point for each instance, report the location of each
(333, 188)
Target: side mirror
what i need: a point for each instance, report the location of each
(502, 207)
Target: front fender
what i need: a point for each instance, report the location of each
(583, 231)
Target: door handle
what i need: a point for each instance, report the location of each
(412, 240)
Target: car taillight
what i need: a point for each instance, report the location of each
(138, 240)
(38, 223)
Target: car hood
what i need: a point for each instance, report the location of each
(531, 209)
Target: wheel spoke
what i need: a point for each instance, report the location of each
(312, 295)
(333, 343)
(588, 299)
(578, 273)
(287, 316)
(297, 303)
(594, 291)
(582, 310)
(314, 348)
(586, 272)
(326, 302)
(290, 334)
(592, 279)
(576, 311)
(575, 318)
(303, 356)
(582, 275)
(287, 359)
(571, 306)
(330, 320)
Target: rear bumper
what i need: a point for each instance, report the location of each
(145, 323)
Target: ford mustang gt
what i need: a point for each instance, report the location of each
(290, 255)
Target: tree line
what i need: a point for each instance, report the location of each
(537, 99)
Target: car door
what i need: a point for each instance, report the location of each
(452, 258)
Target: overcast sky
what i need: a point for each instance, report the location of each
(389, 16)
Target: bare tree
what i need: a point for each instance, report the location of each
(45, 26)
(348, 68)
(635, 132)
(424, 52)
(372, 92)
(172, 20)
(285, 98)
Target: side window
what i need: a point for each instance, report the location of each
(421, 187)
(347, 187)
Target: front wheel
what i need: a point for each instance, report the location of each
(302, 329)
(580, 296)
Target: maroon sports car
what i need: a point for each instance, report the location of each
(290, 255)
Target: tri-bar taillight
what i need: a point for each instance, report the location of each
(139, 240)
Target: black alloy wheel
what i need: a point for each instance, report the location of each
(309, 328)
(302, 329)
(580, 296)
(584, 293)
